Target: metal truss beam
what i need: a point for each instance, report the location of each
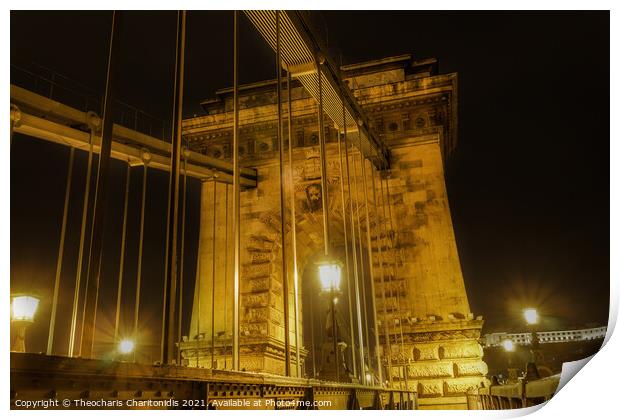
(52, 121)
(302, 54)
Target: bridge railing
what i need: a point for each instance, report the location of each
(60, 88)
(515, 395)
(87, 383)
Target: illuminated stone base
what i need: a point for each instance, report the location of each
(444, 361)
(266, 357)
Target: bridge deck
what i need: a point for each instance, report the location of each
(103, 383)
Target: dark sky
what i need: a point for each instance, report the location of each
(528, 184)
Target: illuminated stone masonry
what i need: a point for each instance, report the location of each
(414, 111)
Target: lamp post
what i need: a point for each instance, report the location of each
(509, 348)
(330, 274)
(531, 318)
(23, 309)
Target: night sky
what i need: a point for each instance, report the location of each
(528, 183)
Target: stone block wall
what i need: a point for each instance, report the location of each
(419, 287)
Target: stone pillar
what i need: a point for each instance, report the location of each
(441, 353)
(261, 304)
(214, 284)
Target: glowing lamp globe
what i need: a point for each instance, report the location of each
(330, 274)
(531, 316)
(508, 345)
(126, 346)
(23, 308)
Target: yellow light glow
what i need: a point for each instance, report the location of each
(126, 346)
(329, 275)
(23, 308)
(508, 345)
(531, 316)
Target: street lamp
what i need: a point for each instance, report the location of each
(531, 316)
(330, 274)
(508, 345)
(23, 310)
(509, 348)
(126, 346)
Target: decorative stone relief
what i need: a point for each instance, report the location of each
(477, 368)
(261, 243)
(444, 335)
(461, 385)
(260, 284)
(254, 329)
(460, 350)
(277, 317)
(426, 352)
(312, 166)
(431, 370)
(252, 271)
(255, 300)
(271, 220)
(256, 315)
(313, 197)
(261, 257)
(251, 364)
(430, 388)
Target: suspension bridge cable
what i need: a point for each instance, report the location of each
(78, 276)
(61, 249)
(346, 253)
(382, 278)
(398, 307)
(372, 271)
(167, 346)
(325, 199)
(213, 243)
(185, 155)
(362, 371)
(199, 291)
(280, 139)
(236, 193)
(361, 260)
(122, 255)
(226, 281)
(392, 278)
(140, 253)
(95, 250)
(293, 222)
(311, 300)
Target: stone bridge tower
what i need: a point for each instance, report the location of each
(433, 335)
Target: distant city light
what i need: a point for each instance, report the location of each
(126, 346)
(508, 345)
(531, 315)
(23, 308)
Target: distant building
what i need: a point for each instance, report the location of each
(525, 338)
